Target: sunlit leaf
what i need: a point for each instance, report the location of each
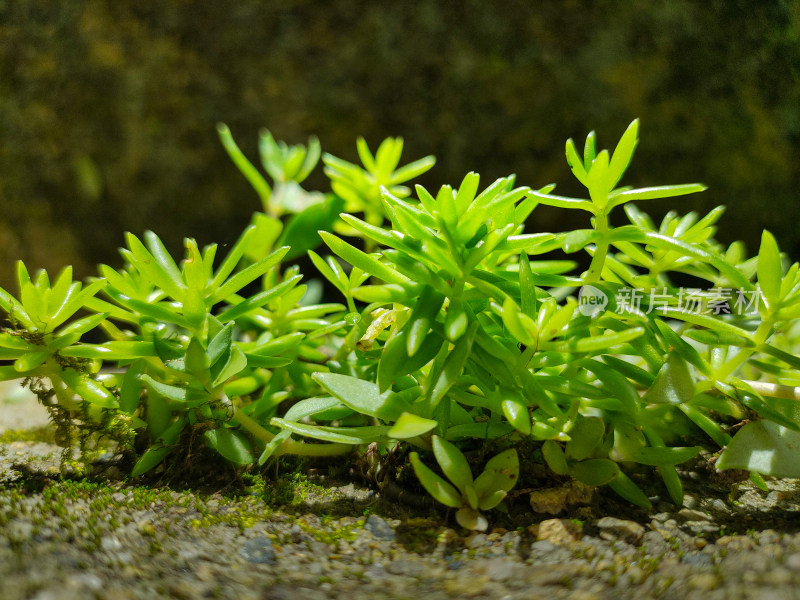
(409, 425)
(623, 153)
(517, 414)
(363, 396)
(770, 272)
(764, 447)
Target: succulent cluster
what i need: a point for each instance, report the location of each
(457, 330)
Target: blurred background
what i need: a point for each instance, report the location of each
(108, 109)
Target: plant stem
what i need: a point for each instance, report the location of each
(601, 250)
(775, 390)
(290, 446)
(761, 335)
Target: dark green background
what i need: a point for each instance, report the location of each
(108, 109)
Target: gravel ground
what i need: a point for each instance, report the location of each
(314, 539)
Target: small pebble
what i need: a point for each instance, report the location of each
(500, 569)
(768, 536)
(477, 540)
(110, 543)
(543, 546)
(793, 561)
(654, 544)
(688, 514)
(627, 531)
(720, 506)
(379, 527)
(559, 531)
(690, 501)
(259, 550)
(700, 543)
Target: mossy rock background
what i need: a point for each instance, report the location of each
(108, 109)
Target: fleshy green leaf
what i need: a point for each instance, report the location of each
(87, 388)
(471, 519)
(585, 435)
(111, 350)
(598, 180)
(83, 325)
(527, 287)
(252, 175)
(235, 363)
(517, 414)
(152, 457)
(220, 344)
(394, 354)
(453, 365)
(452, 462)
(595, 471)
(554, 457)
(500, 474)
(455, 321)
(247, 275)
(518, 323)
(75, 299)
(677, 344)
(563, 202)
(161, 270)
(409, 425)
(30, 360)
(623, 153)
(301, 230)
(664, 455)
(651, 193)
(131, 389)
(341, 435)
(412, 170)
(594, 343)
(576, 164)
(258, 300)
(625, 487)
(171, 392)
(365, 262)
(363, 396)
(273, 445)
(231, 444)
(770, 272)
(589, 150)
(435, 485)
(764, 447)
(466, 191)
(337, 277)
(674, 383)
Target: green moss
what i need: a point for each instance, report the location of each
(332, 531)
(293, 490)
(44, 434)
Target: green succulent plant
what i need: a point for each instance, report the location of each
(459, 330)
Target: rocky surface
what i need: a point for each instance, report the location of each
(299, 537)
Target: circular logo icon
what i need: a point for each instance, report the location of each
(591, 301)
